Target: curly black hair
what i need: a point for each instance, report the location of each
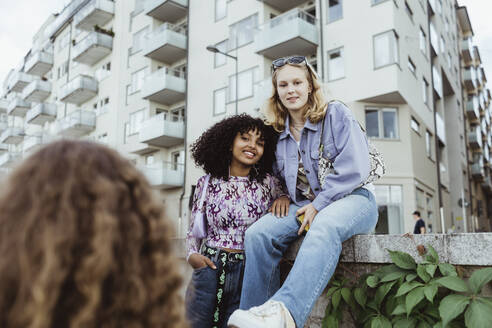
(212, 150)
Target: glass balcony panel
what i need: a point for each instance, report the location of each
(475, 138)
(9, 159)
(467, 50)
(12, 136)
(77, 123)
(18, 107)
(469, 79)
(37, 91)
(164, 175)
(4, 104)
(162, 131)
(41, 113)
(165, 86)
(478, 168)
(93, 48)
(18, 81)
(96, 12)
(79, 90)
(166, 10)
(39, 63)
(293, 32)
(166, 44)
(472, 110)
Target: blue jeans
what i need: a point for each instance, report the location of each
(201, 294)
(268, 238)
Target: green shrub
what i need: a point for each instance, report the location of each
(406, 294)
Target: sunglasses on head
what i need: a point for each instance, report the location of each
(277, 63)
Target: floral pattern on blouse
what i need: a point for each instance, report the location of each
(230, 208)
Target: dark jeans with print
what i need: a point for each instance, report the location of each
(201, 294)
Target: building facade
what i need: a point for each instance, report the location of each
(136, 75)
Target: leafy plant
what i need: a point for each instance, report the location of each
(405, 294)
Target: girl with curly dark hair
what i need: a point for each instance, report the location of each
(237, 154)
(83, 243)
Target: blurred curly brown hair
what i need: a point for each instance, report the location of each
(83, 243)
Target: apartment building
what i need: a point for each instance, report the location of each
(136, 75)
(108, 71)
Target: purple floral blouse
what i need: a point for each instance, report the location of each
(231, 207)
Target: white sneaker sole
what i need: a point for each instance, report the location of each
(243, 320)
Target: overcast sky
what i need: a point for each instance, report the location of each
(21, 19)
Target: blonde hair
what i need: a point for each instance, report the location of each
(276, 113)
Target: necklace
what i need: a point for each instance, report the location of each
(297, 128)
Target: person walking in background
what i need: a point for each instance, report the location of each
(83, 243)
(323, 157)
(419, 227)
(237, 154)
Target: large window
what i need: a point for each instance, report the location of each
(220, 9)
(336, 69)
(415, 125)
(136, 119)
(423, 41)
(428, 144)
(138, 40)
(425, 91)
(137, 80)
(335, 10)
(242, 32)
(382, 123)
(390, 207)
(245, 81)
(219, 59)
(385, 49)
(220, 101)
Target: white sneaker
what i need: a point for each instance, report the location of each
(272, 314)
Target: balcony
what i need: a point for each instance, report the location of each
(79, 90)
(39, 63)
(93, 48)
(467, 50)
(37, 91)
(165, 175)
(4, 148)
(472, 111)
(166, 10)
(166, 44)
(12, 136)
(3, 124)
(77, 124)
(4, 104)
(97, 12)
(478, 168)
(294, 32)
(41, 113)
(487, 184)
(475, 137)
(32, 142)
(19, 81)
(165, 86)
(283, 5)
(18, 107)
(9, 159)
(162, 131)
(470, 79)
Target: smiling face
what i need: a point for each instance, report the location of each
(293, 87)
(247, 148)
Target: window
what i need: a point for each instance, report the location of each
(381, 123)
(385, 49)
(176, 160)
(434, 37)
(149, 160)
(126, 131)
(103, 72)
(219, 59)
(128, 92)
(220, 9)
(335, 10)
(136, 120)
(425, 94)
(139, 6)
(411, 66)
(103, 138)
(415, 125)
(241, 33)
(390, 207)
(428, 144)
(137, 80)
(220, 101)
(138, 40)
(245, 82)
(64, 41)
(409, 11)
(423, 41)
(450, 65)
(336, 69)
(437, 81)
(442, 44)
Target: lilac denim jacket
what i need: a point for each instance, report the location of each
(345, 144)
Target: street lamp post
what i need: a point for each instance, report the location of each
(215, 50)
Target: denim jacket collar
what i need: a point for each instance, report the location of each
(308, 125)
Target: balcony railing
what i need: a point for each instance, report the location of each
(4, 104)
(4, 148)
(166, 44)
(33, 142)
(19, 81)
(77, 123)
(478, 168)
(162, 131)
(12, 136)
(470, 78)
(39, 63)
(292, 32)
(165, 86)
(93, 48)
(166, 10)
(9, 159)
(96, 12)
(467, 49)
(18, 107)
(41, 113)
(66, 14)
(164, 175)
(472, 110)
(79, 90)
(475, 137)
(37, 91)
